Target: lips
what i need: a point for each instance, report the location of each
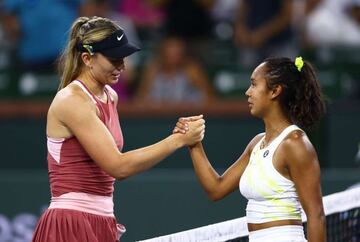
(117, 76)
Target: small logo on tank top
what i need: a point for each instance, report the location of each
(266, 153)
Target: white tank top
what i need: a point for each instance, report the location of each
(271, 196)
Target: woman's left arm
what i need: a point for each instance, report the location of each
(304, 169)
(200, 80)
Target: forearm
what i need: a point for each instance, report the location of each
(277, 24)
(273, 27)
(316, 229)
(206, 174)
(136, 161)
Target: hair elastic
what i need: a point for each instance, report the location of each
(299, 63)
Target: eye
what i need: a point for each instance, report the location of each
(115, 62)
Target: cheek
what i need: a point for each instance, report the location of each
(104, 70)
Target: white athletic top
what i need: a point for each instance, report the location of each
(271, 196)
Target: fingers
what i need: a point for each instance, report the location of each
(181, 127)
(191, 118)
(176, 130)
(199, 133)
(198, 123)
(195, 118)
(202, 135)
(198, 137)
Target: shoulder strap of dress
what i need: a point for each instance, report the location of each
(284, 133)
(108, 90)
(85, 89)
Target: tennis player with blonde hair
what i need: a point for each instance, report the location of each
(84, 138)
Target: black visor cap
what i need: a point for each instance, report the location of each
(115, 46)
(120, 52)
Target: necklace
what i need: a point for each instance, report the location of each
(263, 144)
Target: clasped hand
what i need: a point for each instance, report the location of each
(193, 129)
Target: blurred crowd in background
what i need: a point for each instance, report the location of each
(192, 50)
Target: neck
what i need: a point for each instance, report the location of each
(274, 125)
(94, 86)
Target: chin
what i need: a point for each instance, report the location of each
(254, 113)
(113, 81)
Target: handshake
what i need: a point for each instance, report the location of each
(190, 130)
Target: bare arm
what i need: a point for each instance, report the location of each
(11, 25)
(303, 166)
(146, 82)
(217, 187)
(311, 5)
(200, 80)
(241, 31)
(84, 123)
(274, 26)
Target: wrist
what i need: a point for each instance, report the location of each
(177, 140)
(195, 146)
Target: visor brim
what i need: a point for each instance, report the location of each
(120, 52)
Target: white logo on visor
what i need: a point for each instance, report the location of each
(119, 37)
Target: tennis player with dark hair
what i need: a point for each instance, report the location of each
(84, 138)
(278, 171)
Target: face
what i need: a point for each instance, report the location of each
(106, 70)
(173, 52)
(259, 96)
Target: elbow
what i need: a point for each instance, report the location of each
(317, 217)
(118, 168)
(121, 174)
(118, 173)
(323, 219)
(120, 177)
(214, 196)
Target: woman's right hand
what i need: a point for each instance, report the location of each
(195, 132)
(182, 123)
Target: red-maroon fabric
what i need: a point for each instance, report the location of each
(76, 172)
(65, 225)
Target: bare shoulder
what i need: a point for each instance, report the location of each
(254, 141)
(70, 101)
(297, 140)
(298, 148)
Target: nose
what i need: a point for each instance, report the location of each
(247, 93)
(120, 66)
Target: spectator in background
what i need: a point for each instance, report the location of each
(174, 77)
(223, 14)
(102, 8)
(334, 22)
(147, 15)
(6, 46)
(39, 29)
(354, 11)
(263, 28)
(192, 21)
